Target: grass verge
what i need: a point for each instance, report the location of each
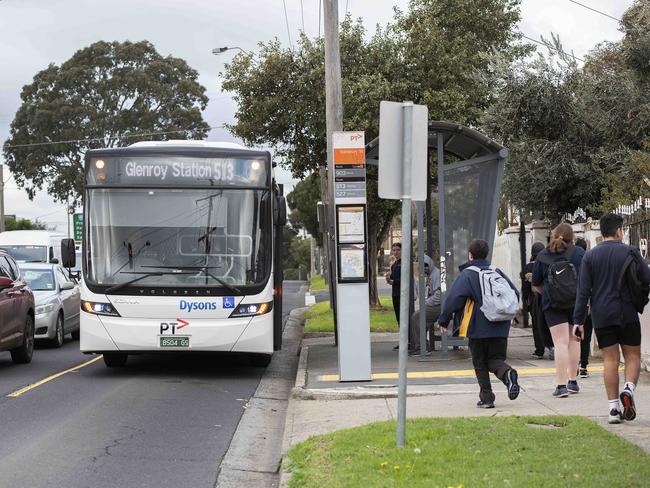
(319, 318)
(317, 283)
(476, 451)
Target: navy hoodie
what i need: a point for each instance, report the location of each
(598, 286)
(467, 286)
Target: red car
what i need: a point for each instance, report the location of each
(16, 312)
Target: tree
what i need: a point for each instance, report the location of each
(302, 202)
(579, 136)
(438, 54)
(106, 95)
(296, 255)
(12, 223)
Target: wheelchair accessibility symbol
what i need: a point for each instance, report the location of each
(228, 302)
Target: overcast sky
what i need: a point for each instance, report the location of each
(34, 33)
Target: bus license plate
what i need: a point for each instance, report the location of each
(174, 341)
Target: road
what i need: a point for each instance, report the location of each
(161, 421)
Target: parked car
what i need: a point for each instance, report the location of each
(57, 298)
(17, 312)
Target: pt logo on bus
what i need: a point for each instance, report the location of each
(172, 327)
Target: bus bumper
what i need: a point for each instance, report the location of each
(245, 335)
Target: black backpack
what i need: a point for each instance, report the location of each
(631, 280)
(562, 279)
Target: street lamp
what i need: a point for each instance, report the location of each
(220, 50)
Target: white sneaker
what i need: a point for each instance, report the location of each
(615, 416)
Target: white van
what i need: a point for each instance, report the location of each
(33, 246)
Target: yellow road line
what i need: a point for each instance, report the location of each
(458, 373)
(53, 377)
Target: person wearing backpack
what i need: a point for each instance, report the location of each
(615, 281)
(556, 271)
(495, 304)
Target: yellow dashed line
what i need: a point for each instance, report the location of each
(53, 377)
(458, 373)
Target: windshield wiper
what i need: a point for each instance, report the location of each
(202, 270)
(144, 275)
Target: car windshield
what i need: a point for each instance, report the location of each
(197, 237)
(27, 253)
(39, 279)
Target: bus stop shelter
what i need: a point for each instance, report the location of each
(464, 180)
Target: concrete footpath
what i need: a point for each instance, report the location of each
(440, 388)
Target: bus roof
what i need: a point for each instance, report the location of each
(185, 142)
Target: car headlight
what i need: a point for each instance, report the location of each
(45, 308)
(252, 309)
(99, 308)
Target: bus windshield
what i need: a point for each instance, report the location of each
(190, 237)
(34, 254)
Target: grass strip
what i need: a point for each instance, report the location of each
(467, 452)
(319, 318)
(317, 283)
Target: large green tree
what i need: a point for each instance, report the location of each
(579, 135)
(303, 203)
(105, 95)
(438, 53)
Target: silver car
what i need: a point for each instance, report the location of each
(57, 300)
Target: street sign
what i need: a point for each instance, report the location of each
(351, 281)
(78, 226)
(391, 152)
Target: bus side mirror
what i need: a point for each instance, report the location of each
(68, 255)
(280, 210)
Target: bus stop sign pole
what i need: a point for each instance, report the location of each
(403, 132)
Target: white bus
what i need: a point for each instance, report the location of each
(181, 251)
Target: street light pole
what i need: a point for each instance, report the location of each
(220, 50)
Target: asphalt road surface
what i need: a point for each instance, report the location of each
(161, 421)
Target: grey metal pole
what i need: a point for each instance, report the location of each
(441, 230)
(419, 206)
(406, 272)
(334, 122)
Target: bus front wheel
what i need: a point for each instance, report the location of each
(260, 360)
(115, 359)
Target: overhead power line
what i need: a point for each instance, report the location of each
(595, 10)
(286, 19)
(93, 139)
(553, 48)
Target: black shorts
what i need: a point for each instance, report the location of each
(625, 335)
(555, 316)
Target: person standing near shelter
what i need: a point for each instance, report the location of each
(614, 279)
(431, 305)
(488, 340)
(585, 343)
(394, 277)
(541, 334)
(556, 270)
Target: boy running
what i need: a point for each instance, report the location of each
(488, 341)
(613, 315)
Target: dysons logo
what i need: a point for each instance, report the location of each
(189, 306)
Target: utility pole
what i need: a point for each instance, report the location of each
(334, 122)
(2, 198)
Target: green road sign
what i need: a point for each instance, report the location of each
(78, 226)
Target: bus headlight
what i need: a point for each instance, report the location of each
(252, 309)
(98, 308)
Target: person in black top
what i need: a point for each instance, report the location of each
(561, 261)
(585, 343)
(394, 278)
(541, 333)
(614, 317)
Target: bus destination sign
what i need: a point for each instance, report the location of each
(181, 171)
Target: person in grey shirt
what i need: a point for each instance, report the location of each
(431, 305)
